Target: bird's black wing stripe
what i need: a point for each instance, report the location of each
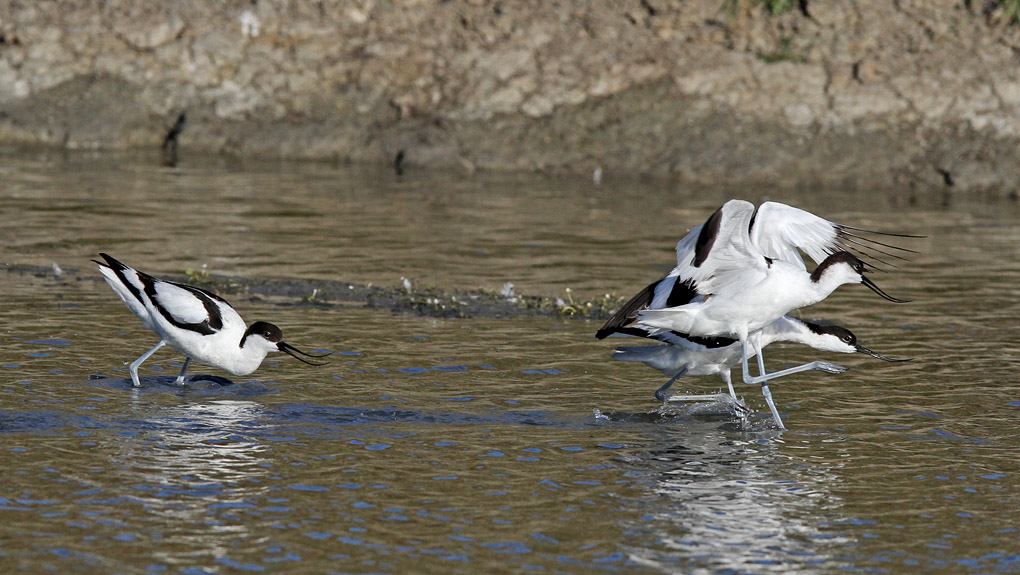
(215, 320)
(707, 238)
(671, 338)
(626, 314)
(631, 330)
(682, 293)
(195, 289)
(208, 326)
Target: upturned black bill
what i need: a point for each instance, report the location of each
(862, 349)
(293, 351)
(871, 285)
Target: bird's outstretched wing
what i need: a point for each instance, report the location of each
(779, 230)
(685, 247)
(723, 257)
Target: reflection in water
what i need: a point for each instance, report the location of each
(729, 502)
(192, 468)
(198, 443)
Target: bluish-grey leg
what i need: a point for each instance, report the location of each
(729, 382)
(704, 397)
(180, 378)
(661, 394)
(133, 368)
(763, 380)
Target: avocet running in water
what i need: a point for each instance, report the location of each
(199, 324)
(741, 271)
(708, 356)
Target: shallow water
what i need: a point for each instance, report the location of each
(485, 445)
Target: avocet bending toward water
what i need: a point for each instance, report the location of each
(199, 324)
(741, 271)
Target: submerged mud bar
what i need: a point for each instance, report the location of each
(400, 298)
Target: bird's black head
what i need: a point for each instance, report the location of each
(266, 330)
(858, 267)
(847, 339)
(847, 258)
(843, 334)
(274, 336)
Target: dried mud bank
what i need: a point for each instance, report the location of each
(862, 92)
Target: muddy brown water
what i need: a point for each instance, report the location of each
(484, 445)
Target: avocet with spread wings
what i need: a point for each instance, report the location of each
(742, 270)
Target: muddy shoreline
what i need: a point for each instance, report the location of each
(863, 93)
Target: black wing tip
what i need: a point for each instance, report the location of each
(628, 311)
(890, 234)
(611, 329)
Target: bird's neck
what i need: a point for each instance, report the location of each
(786, 328)
(793, 289)
(820, 288)
(245, 360)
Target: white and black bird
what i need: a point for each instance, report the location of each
(199, 324)
(691, 356)
(741, 271)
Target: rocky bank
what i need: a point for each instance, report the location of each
(852, 92)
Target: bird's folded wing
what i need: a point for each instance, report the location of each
(185, 306)
(667, 291)
(627, 312)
